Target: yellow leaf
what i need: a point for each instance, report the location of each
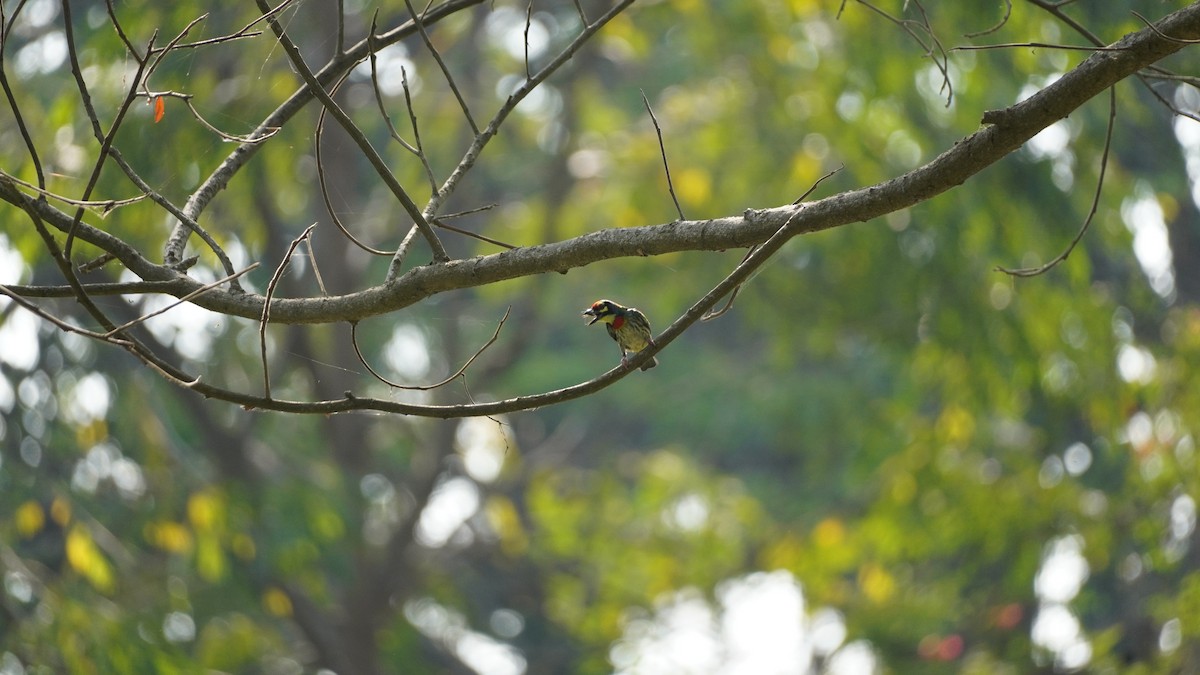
(277, 602)
(30, 518)
(60, 511)
(169, 536)
(876, 583)
(956, 425)
(785, 553)
(206, 511)
(86, 558)
(210, 558)
(829, 533)
(327, 525)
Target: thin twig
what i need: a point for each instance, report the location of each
(244, 32)
(582, 15)
(445, 226)
(356, 134)
(341, 28)
(1159, 33)
(103, 206)
(387, 119)
(112, 18)
(412, 118)
(6, 25)
(320, 157)
(184, 221)
(254, 136)
(481, 140)
(663, 150)
(105, 139)
(528, 21)
(379, 92)
(919, 31)
(20, 300)
(12, 101)
(96, 263)
(237, 159)
(420, 22)
(461, 372)
(1041, 269)
(813, 187)
(187, 298)
(162, 53)
(266, 312)
(1035, 45)
(714, 313)
(312, 259)
(998, 26)
(226, 264)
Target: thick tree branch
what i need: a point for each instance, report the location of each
(1006, 131)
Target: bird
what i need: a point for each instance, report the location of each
(627, 325)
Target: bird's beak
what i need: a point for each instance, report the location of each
(590, 312)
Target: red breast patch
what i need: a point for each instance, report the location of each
(618, 321)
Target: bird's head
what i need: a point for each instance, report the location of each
(603, 310)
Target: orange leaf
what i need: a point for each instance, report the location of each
(160, 109)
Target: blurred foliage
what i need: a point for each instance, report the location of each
(882, 413)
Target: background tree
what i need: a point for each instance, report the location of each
(885, 445)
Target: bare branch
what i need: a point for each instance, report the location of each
(417, 150)
(312, 259)
(1041, 269)
(412, 117)
(714, 313)
(109, 150)
(420, 23)
(103, 206)
(161, 54)
(1000, 24)
(96, 263)
(245, 32)
(187, 100)
(289, 47)
(266, 313)
(528, 20)
(232, 164)
(663, 150)
(813, 188)
(1032, 45)
(481, 139)
(187, 298)
(117, 288)
(19, 299)
(440, 222)
(105, 140)
(12, 102)
(1162, 35)
(922, 32)
(320, 157)
(461, 372)
(192, 225)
